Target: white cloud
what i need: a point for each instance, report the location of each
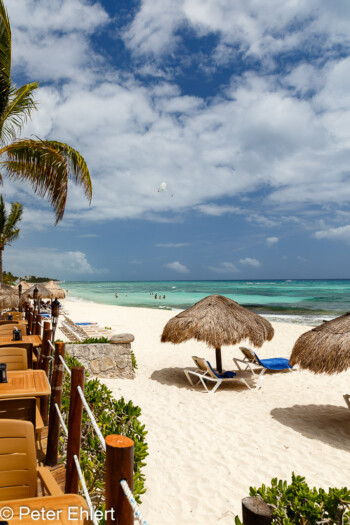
(242, 26)
(50, 37)
(177, 267)
(262, 220)
(259, 133)
(217, 210)
(342, 233)
(44, 261)
(249, 261)
(270, 241)
(301, 258)
(225, 268)
(172, 245)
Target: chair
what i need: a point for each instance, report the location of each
(16, 316)
(205, 372)
(27, 346)
(253, 362)
(347, 399)
(15, 358)
(7, 327)
(24, 408)
(18, 469)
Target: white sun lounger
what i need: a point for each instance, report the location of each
(205, 373)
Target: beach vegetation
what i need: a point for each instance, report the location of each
(297, 503)
(113, 417)
(9, 230)
(92, 340)
(48, 165)
(35, 279)
(9, 278)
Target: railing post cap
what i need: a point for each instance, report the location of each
(115, 441)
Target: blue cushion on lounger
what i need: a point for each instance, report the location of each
(225, 375)
(275, 363)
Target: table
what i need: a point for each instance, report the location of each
(58, 505)
(8, 341)
(25, 383)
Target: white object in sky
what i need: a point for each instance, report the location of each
(162, 187)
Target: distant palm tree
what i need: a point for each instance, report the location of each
(46, 164)
(9, 230)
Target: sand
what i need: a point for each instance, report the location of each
(206, 450)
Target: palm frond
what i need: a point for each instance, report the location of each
(14, 217)
(48, 166)
(5, 56)
(17, 111)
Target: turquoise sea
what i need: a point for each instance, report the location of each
(299, 301)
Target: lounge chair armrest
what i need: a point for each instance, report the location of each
(236, 360)
(251, 366)
(49, 481)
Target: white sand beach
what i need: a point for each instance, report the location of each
(206, 450)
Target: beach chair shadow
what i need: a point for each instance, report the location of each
(327, 423)
(174, 376)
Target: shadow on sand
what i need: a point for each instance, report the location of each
(175, 377)
(327, 423)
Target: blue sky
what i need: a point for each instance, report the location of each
(242, 107)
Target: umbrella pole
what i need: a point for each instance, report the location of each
(218, 360)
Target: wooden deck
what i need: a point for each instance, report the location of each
(58, 471)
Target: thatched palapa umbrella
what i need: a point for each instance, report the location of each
(325, 348)
(55, 289)
(43, 292)
(25, 286)
(218, 321)
(8, 297)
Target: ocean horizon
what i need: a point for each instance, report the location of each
(304, 301)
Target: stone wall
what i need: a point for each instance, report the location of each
(106, 359)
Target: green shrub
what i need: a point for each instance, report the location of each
(93, 340)
(297, 503)
(113, 417)
(133, 361)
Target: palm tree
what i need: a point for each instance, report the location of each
(9, 230)
(48, 165)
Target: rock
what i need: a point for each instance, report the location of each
(94, 366)
(104, 359)
(122, 338)
(105, 363)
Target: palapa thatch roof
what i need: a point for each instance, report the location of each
(56, 289)
(325, 348)
(25, 286)
(8, 296)
(43, 292)
(218, 321)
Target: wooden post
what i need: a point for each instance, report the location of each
(35, 315)
(256, 512)
(45, 349)
(218, 360)
(37, 325)
(43, 364)
(74, 429)
(119, 465)
(30, 320)
(56, 397)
